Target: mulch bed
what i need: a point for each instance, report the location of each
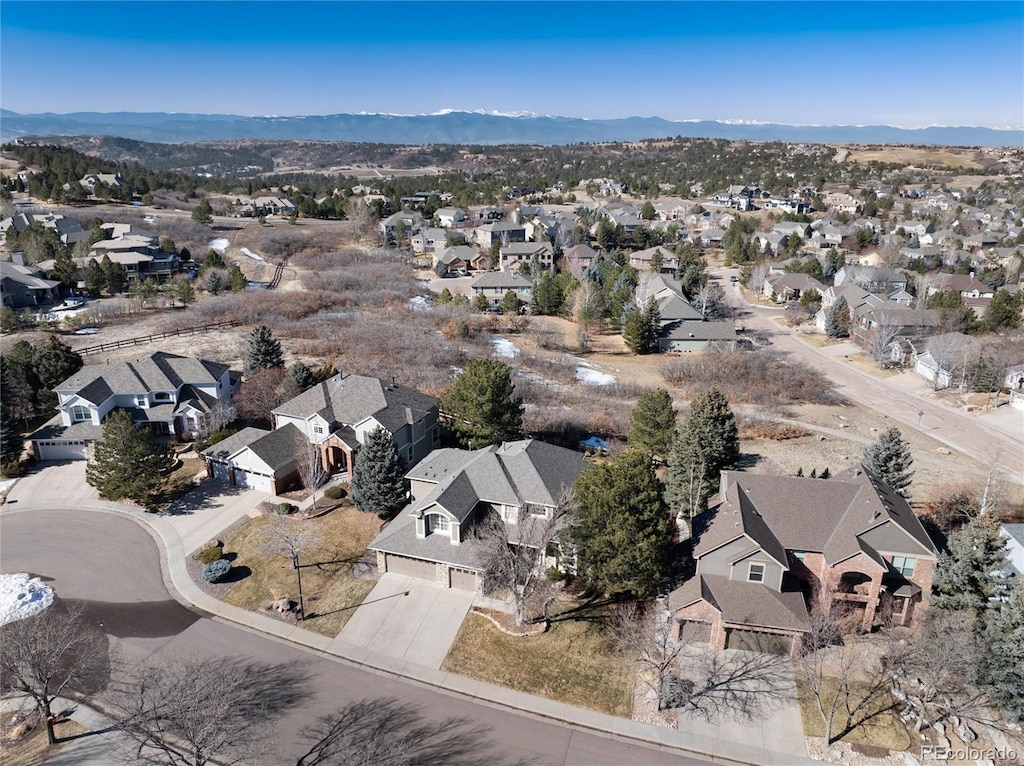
(195, 567)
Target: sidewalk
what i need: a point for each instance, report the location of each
(91, 749)
(722, 743)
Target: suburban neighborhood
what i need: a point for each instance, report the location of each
(679, 450)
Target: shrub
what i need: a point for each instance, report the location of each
(219, 436)
(217, 570)
(211, 554)
(334, 493)
(286, 508)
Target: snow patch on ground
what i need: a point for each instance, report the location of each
(419, 303)
(251, 254)
(504, 347)
(220, 244)
(87, 331)
(22, 596)
(6, 484)
(593, 377)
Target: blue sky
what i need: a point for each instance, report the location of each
(909, 64)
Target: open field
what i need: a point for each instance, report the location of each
(951, 157)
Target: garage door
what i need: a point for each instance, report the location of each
(61, 450)
(411, 567)
(753, 641)
(695, 631)
(220, 471)
(463, 579)
(252, 480)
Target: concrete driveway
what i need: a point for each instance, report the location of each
(53, 484)
(408, 618)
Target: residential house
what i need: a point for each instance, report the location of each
(711, 237)
(790, 286)
(934, 367)
(408, 221)
(577, 258)
(839, 202)
(494, 284)
(69, 231)
(770, 543)
(25, 286)
(682, 327)
(171, 394)
(771, 242)
(502, 232)
(828, 235)
(879, 280)
(916, 228)
(333, 417)
(90, 181)
(264, 206)
(453, 489)
(1013, 534)
(641, 259)
(451, 217)
(903, 322)
(791, 228)
(965, 284)
(533, 254)
(429, 240)
(458, 258)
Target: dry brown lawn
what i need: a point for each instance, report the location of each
(877, 724)
(32, 749)
(570, 663)
(331, 594)
(910, 155)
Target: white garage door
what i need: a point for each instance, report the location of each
(252, 480)
(220, 471)
(61, 450)
(410, 567)
(463, 579)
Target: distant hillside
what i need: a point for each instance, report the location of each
(469, 128)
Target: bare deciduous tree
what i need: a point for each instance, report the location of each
(837, 672)
(646, 642)
(951, 352)
(189, 711)
(881, 336)
(53, 652)
(934, 672)
(220, 416)
(311, 469)
(758, 275)
(511, 552)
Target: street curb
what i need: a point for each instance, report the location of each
(180, 585)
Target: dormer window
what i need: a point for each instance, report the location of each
(438, 523)
(755, 572)
(141, 401)
(80, 413)
(162, 396)
(318, 430)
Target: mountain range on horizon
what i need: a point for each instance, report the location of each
(473, 127)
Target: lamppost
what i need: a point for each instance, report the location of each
(298, 573)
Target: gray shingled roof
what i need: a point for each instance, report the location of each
(346, 400)
(754, 604)
(224, 449)
(54, 428)
(281, 447)
(510, 279)
(157, 372)
(513, 473)
(399, 537)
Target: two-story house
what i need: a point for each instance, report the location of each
(494, 284)
(774, 544)
(532, 254)
(25, 286)
(168, 393)
(334, 416)
(432, 537)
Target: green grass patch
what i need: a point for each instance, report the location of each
(570, 663)
(330, 592)
(876, 722)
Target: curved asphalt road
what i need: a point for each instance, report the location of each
(113, 565)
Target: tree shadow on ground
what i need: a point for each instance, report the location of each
(388, 732)
(593, 610)
(200, 497)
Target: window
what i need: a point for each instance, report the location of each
(437, 523)
(162, 396)
(536, 510)
(904, 565)
(800, 556)
(141, 400)
(319, 430)
(79, 413)
(435, 435)
(756, 572)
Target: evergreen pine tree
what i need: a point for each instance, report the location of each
(653, 423)
(12, 444)
(302, 375)
(620, 526)
(64, 268)
(17, 396)
(651, 326)
(837, 320)
(1002, 668)
(53, 362)
(633, 331)
(481, 405)
(889, 459)
(264, 351)
(116, 276)
(203, 212)
(237, 280)
(214, 282)
(705, 444)
(128, 464)
(378, 478)
(184, 292)
(967, 576)
(95, 277)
